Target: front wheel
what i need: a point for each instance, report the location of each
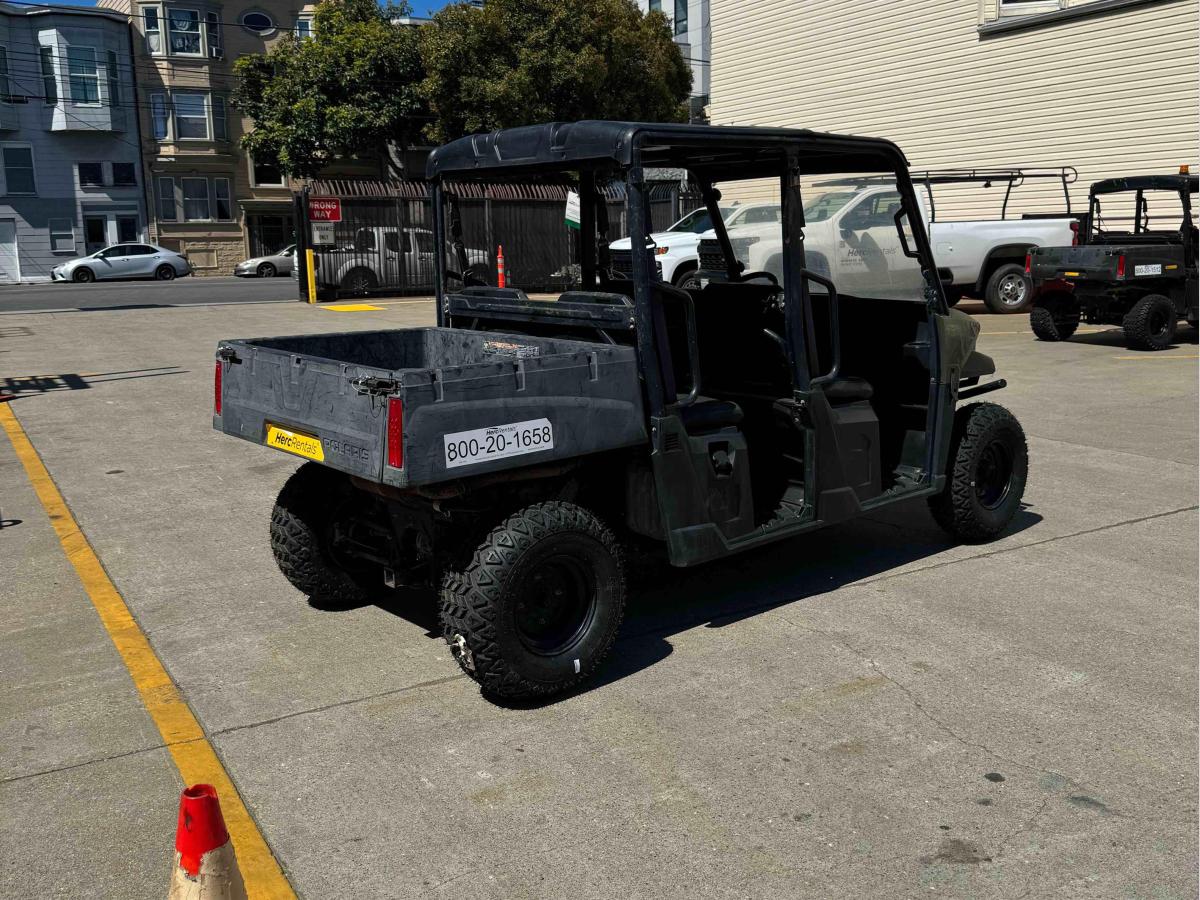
(84, 275)
(266, 270)
(538, 606)
(1008, 289)
(165, 273)
(1150, 325)
(985, 478)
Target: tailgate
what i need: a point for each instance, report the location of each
(1073, 263)
(302, 405)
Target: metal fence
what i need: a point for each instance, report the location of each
(385, 239)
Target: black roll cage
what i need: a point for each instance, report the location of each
(709, 154)
(1183, 186)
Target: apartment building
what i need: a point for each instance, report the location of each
(207, 197)
(69, 154)
(689, 21)
(1109, 86)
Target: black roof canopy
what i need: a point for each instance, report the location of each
(1147, 183)
(713, 152)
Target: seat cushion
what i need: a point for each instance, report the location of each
(707, 414)
(848, 389)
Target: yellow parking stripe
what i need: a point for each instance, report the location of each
(194, 756)
(351, 307)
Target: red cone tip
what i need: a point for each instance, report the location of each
(201, 827)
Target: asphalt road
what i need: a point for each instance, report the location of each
(869, 711)
(132, 294)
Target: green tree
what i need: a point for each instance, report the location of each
(516, 62)
(352, 88)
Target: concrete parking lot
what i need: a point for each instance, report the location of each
(869, 712)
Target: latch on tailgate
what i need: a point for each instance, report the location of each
(374, 386)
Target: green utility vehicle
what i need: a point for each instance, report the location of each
(512, 454)
(1135, 265)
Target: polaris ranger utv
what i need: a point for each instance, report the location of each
(510, 455)
(1135, 265)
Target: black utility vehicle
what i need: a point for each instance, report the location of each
(513, 453)
(1135, 264)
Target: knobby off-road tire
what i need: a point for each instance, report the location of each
(1055, 317)
(537, 607)
(300, 526)
(1150, 325)
(985, 478)
(1008, 290)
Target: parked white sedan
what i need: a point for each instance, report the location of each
(124, 261)
(267, 266)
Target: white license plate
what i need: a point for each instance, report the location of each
(1155, 269)
(465, 448)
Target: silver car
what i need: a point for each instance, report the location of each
(267, 266)
(124, 261)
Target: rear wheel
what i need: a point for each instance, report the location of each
(1150, 325)
(537, 607)
(689, 282)
(304, 526)
(1055, 317)
(165, 273)
(266, 270)
(985, 480)
(84, 275)
(1008, 289)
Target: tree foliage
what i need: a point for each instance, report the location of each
(517, 62)
(351, 88)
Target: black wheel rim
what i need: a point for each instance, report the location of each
(1160, 322)
(555, 604)
(993, 477)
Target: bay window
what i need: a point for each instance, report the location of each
(85, 80)
(183, 32)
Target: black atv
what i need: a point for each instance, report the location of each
(1135, 264)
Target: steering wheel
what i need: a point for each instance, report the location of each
(746, 276)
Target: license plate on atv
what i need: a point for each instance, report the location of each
(295, 442)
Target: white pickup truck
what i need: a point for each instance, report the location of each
(851, 231)
(385, 257)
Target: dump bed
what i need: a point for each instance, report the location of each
(417, 406)
(1106, 262)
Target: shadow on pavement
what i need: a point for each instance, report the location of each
(18, 385)
(664, 601)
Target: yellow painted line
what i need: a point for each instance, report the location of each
(351, 307)
(194, 756)
(1156, 356)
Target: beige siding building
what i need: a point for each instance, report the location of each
(1109, 86)
(207, 198)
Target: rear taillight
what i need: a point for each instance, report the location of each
(217, 388)
(395, 433)
(1028, 263)
(1074, 234)
(1121, 266)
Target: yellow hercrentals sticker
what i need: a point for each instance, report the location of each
(293, 442)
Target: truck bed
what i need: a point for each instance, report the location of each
(418, 406)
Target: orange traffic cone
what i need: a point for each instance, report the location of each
(205, 865)
(499, 265)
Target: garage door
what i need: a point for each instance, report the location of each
(9, 268)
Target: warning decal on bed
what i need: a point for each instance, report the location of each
(464, 448)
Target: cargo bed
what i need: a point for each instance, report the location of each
(373, 404)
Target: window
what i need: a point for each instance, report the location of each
(265, 174)
(140, 250)
(62, 236)
(5, 96)
(127, 228)
(218, 119)
(424, 241)
(221, 194)
(18, 170)
(85, 80)
(655, 5)
(195, 200)
(114, 81)
(124, 174)
(91, 174)
(158, 116)
(153, 29)
(183, 27)
(761, 215)
(681, 23)
(257, 22)
(303, 28)
(191, 117)
(166, 199)
(49, 81)
(391, 240)
(213, 22)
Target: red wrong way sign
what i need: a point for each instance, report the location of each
(324, 209)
